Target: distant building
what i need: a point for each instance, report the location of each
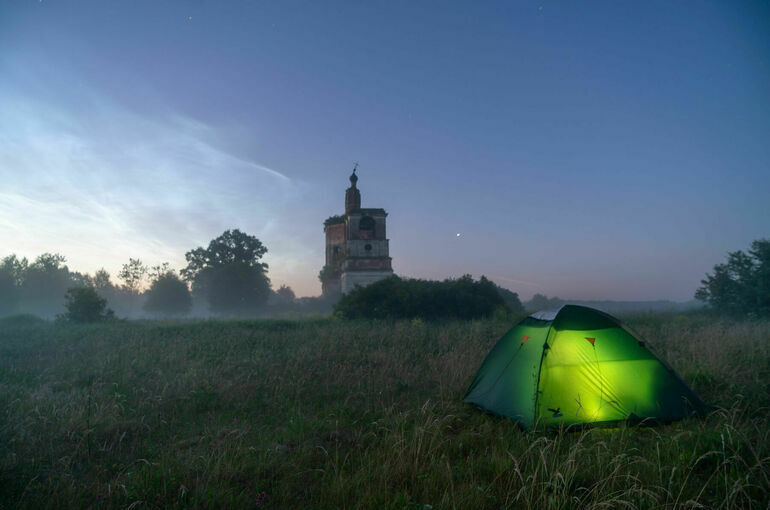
(356, 246)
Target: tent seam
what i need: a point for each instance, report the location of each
(540, 370)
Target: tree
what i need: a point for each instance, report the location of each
(285, 294)
(9, 294)
(283, 297)
(16, 267)
(101, 280)
(541, 302)
(168, 294)
(741, 286)
(83, 305)
(156, 272)
(237, 288)
(229, 274)
(133, 275)
(45, 282)
(511, 300)
(232, 246)
(12, 272)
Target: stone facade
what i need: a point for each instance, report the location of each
(357, 250)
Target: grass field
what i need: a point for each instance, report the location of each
(332, 414)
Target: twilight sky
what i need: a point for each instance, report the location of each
(583, 149)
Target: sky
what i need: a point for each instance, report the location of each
(589, 150)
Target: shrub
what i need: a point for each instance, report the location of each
(401, 298)
(21, 320)
(334, 220)
(83, 305)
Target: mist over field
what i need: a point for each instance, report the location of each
(342, 414)
(40, 287)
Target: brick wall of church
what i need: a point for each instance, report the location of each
(335, 238)
(354, 232)
(366, 264)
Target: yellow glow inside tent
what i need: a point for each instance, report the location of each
(579, 366)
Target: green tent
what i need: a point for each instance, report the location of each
(578, 365)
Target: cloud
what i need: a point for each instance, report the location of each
(104, 184)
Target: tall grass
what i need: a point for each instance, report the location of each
(332, 414)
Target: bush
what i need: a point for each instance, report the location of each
(84, 305)
(21, 320)
(334, 220)
(400, 298)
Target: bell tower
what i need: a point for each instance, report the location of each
(357, 249)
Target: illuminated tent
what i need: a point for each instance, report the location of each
(578, 365)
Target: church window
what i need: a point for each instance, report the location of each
(366, 223)
(366, 227)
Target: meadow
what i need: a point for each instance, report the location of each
(345, 414)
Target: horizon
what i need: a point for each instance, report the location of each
(614, 153)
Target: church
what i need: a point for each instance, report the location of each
(356, 246)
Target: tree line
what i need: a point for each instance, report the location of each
(227, 277)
